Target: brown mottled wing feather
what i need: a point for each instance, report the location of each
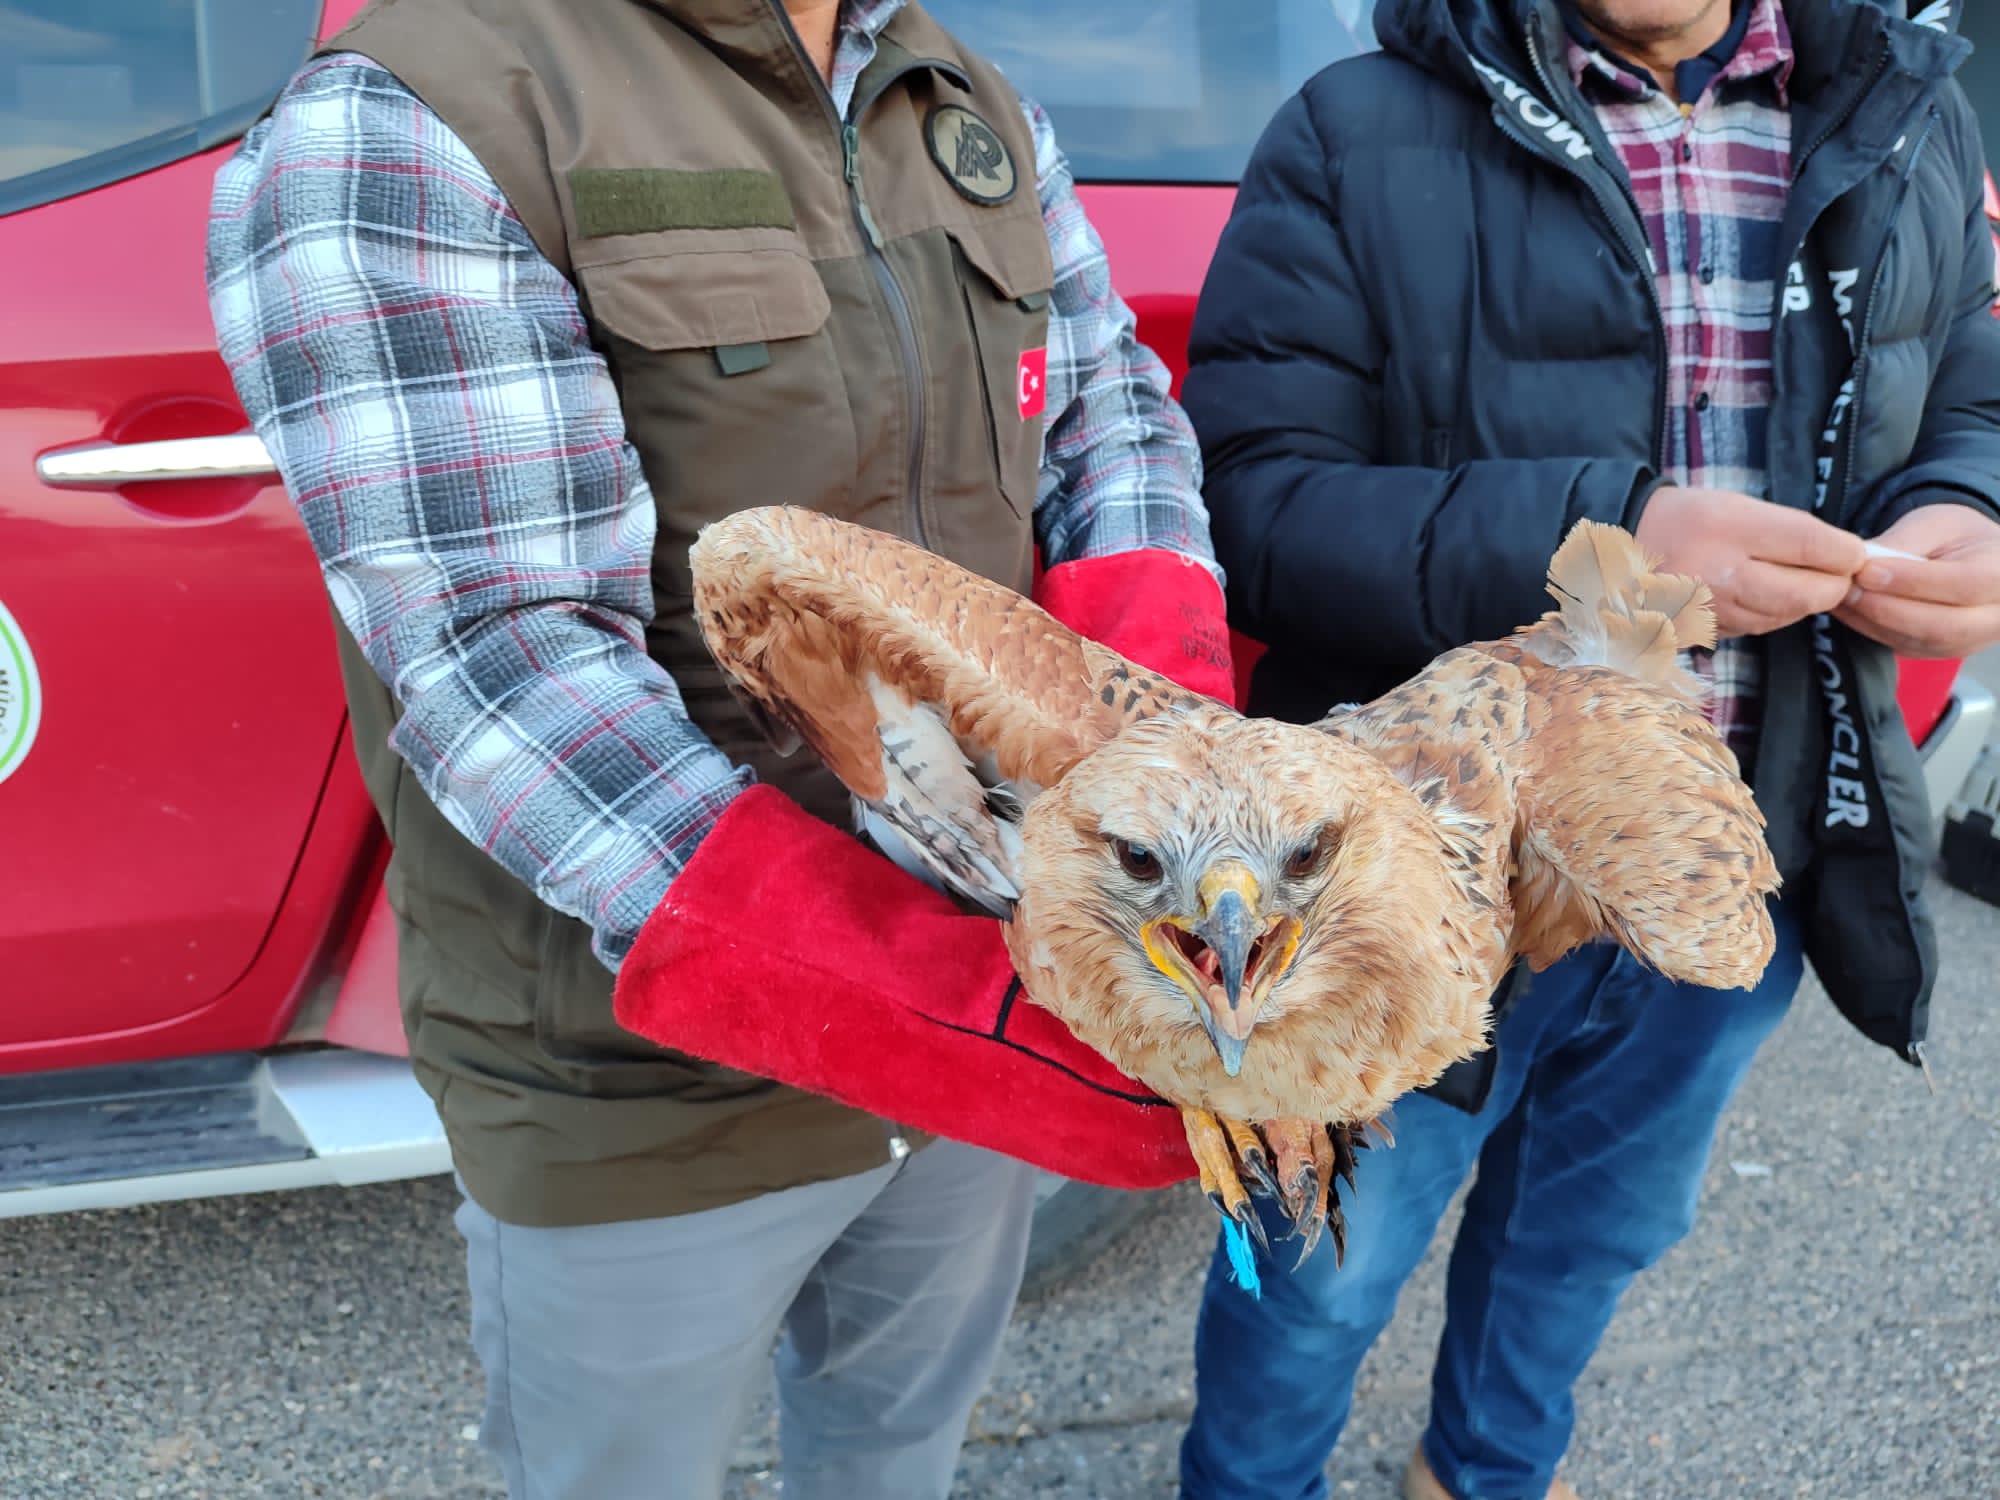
(1634, 820)
(1581, 740)
(1635, 824)
(943, 701)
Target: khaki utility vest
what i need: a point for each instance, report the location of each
(796, 309)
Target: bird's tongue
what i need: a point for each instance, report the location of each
(1203, 959)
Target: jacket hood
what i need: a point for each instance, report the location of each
(1444, 37)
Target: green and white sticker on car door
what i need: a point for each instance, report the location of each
(20, 695)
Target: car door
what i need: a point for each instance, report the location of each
(168, 703)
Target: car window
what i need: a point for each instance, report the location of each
(1981, 72)
(1178, 90)
(92, 91)
(1159, 90)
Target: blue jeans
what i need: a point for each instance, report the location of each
(1591, 1147)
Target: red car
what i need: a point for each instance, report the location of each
(196, 958)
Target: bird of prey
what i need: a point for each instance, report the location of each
(1278, 928)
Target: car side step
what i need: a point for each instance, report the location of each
(210, 1126)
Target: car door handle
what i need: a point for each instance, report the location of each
(101, 465)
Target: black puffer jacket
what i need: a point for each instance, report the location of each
(1429, 344)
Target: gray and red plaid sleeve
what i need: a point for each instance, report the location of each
(1121, 468)
(455, 449)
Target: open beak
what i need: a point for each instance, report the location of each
(1227, 958)
(1229, 929)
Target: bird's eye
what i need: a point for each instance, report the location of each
(1139, 863)
(1308, 857)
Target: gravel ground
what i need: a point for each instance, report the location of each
(1831, 1329)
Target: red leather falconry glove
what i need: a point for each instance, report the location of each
(790, 950)
(1159, 609)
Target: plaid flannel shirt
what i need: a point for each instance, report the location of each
(455, 448)
(1711, 178)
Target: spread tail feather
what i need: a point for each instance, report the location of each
(1615, 611)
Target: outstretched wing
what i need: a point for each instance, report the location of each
(943, 701)
(1634, 823)
(1634, 819)
(1582, 736)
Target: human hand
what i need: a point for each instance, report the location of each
(1767, 565)
(1943, 599)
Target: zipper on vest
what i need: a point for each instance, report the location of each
(850, 167)
(899, 314)
(885, 274)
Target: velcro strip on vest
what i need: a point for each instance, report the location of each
(638, 200)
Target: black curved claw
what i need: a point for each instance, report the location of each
(1245, 1215)
(1253, 1224)
(1263, 1181)
(1312, 1232)
(1345, 1142)
(1301, 1196)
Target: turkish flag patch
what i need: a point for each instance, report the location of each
(1033, 382)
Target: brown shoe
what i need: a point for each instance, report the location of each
(1419, 1483)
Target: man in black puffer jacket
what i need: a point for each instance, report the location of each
(1720, 274)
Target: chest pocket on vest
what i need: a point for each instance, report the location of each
(726, 368)
(1005, 277)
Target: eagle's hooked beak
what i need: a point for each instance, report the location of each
(1227, 957)
(1229, 929)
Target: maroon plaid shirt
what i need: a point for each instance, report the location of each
(1710, 177)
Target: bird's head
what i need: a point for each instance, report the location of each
(1220, 943)
(1220, 853)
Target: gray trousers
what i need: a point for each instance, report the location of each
(621, 1359)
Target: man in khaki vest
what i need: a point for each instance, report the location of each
(520, 294)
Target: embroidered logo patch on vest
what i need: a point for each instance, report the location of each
(970, 153)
